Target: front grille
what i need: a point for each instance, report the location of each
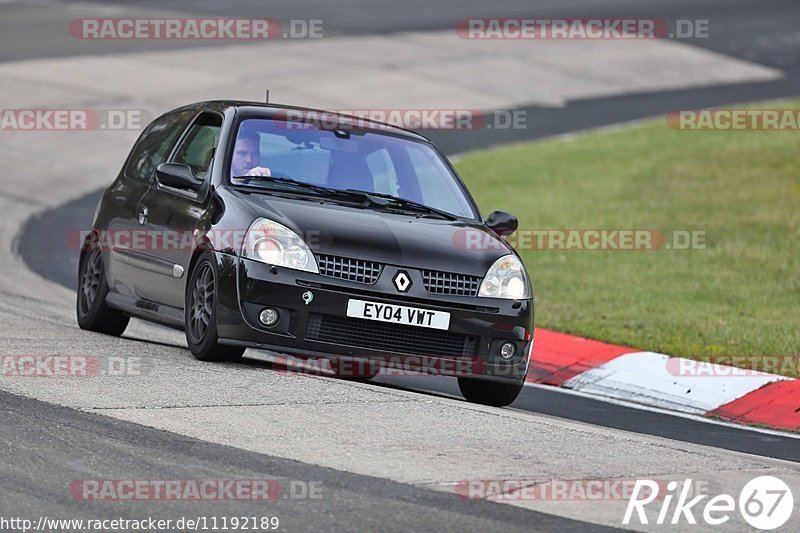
(448, 283)
(387, 337)
(356, 270)
(399, 297)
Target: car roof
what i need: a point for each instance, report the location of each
(269, 110)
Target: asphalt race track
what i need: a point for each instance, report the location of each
(378, 502)
(388, 453)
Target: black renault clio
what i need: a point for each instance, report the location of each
(313, 234)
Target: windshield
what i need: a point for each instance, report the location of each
(345, 159)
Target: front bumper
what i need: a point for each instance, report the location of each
(319, 328)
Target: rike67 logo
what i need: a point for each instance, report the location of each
(765, 503)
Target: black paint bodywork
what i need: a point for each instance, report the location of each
(143, 283)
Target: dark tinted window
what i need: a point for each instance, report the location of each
(154, 144)
(198, 148)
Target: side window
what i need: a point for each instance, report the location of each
(200, 144)
(153, 145)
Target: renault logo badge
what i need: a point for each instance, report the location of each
(402, 281)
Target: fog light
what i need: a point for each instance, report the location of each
(268, 316)
(508, 350)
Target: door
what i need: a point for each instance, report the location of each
(136, 179)
(172, 215)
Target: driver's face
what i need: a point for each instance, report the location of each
(246, 156)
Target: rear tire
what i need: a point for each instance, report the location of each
(200, 314)
(492, 393)
(92, 311)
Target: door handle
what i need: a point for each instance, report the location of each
(143, 212)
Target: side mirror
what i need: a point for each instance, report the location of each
(178, 176)
(502, 223)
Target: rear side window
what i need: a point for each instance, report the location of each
(198, 148)
(154, 144)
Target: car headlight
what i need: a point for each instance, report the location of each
(506, 278)
(275, 244)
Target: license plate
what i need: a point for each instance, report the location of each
(398, 314)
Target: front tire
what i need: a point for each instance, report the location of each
(200, 314)
(92, 311)
(492, 393)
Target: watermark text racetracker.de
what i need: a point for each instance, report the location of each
(69, 366)
(733, 366)
(734, 120)
(40, 119)
(392, 365)
(581, 28)
(580, 239)
(193, 29)
(524, 489)
(216, 489)
(408, 118)
(150, 240)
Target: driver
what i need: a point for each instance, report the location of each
(247, 157)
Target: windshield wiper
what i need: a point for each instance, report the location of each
(372, 198)
(290, 181)
(386, 200)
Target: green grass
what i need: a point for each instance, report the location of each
(739, 297)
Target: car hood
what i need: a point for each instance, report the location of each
(398, 239)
